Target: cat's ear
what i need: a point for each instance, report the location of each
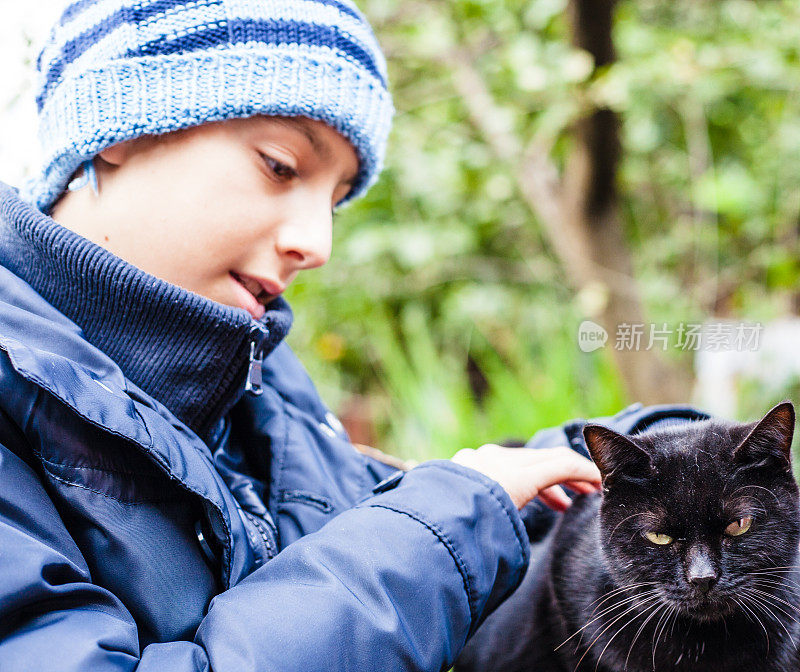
(615, 454)
(770, 439)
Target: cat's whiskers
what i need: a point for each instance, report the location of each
(615, 605)
(775, 576)
(758, 620)
(760, 487)
(600, 634)
(648, 595)
(747, 502)
(655, 607)
(770, 560)
(778, 571)
(654, 611)
(607, 596)
(675, 620)
(792, 587)
(775, 598)
(633, 515)
(772, 575)
(765, 608)
(773, 583)
(657, 634)
(782, 582)
(760, 603)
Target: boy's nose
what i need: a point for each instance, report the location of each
(306, 239)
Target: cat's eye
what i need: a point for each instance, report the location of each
(660, 539)
(740, 526)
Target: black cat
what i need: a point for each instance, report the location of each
(687, 561)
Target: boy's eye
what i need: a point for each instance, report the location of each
(281, 170)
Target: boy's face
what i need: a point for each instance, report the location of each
(215, 207)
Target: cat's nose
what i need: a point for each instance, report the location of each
(701, 571)
(703, 583)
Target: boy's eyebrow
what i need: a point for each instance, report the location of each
(320, 147)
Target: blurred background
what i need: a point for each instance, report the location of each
(627, 165)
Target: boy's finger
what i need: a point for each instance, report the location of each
(572, 467)
(582, 486)
(555, 498)
(535, 455)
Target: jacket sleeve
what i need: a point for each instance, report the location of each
(398, 582)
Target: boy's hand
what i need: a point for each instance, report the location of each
(525, 473)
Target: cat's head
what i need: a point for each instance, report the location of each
(707, 511)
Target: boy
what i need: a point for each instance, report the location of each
(175, 495)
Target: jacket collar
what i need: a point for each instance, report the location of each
(192, 354)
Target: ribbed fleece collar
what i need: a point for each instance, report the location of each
(187, 351)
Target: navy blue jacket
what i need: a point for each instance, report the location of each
(135, 537)
(128, 542)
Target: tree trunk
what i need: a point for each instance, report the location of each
(579, 210)
(590, 237)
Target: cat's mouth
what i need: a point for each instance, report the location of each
(702, 606)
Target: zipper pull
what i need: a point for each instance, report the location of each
(258, 334)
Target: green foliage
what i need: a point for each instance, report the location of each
(443, 263)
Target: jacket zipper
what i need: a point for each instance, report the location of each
(258, 335)
(267, 535)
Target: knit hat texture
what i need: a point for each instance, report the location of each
(112, 70)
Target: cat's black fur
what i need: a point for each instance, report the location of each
(689, 482)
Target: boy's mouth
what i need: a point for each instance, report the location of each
(254, 287)
(261, 290)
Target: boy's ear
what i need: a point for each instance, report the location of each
(118, 154)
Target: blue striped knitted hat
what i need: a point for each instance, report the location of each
(112, 70)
